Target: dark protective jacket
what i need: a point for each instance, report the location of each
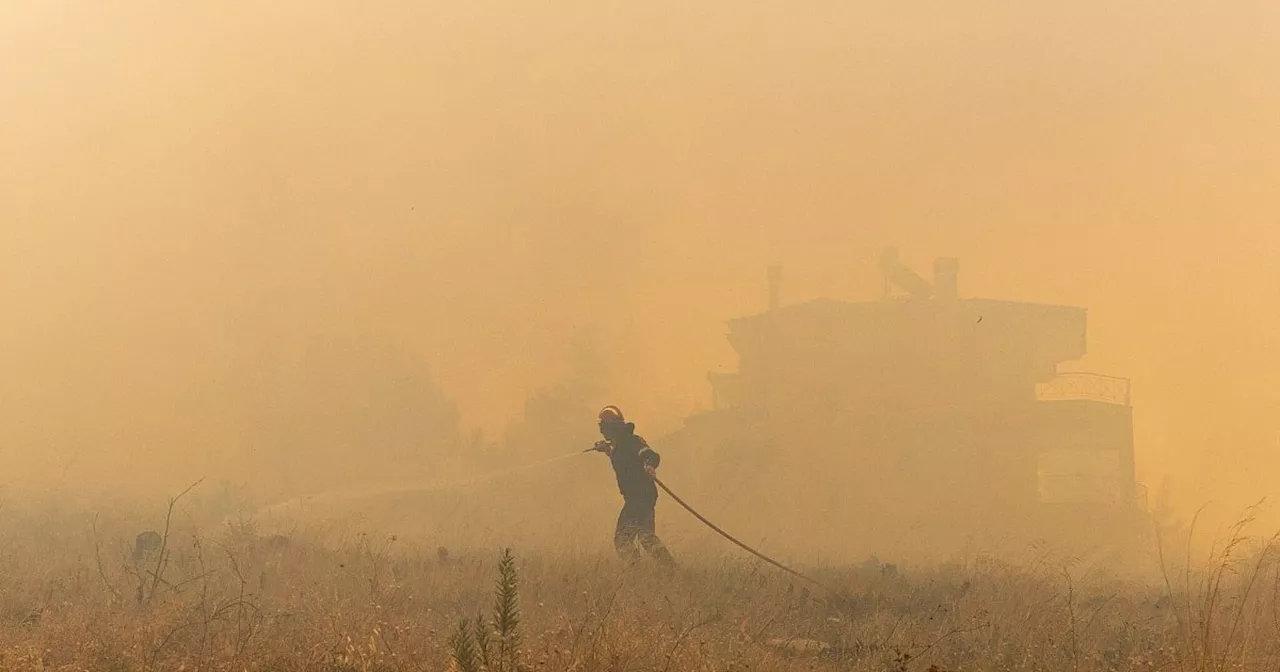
(629, 454)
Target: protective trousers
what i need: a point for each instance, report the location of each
(636, 523)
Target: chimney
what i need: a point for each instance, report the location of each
(775, 287)
(945, 283)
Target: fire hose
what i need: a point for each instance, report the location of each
(731, 538)
(726, 535)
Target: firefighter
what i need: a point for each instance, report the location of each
(635, 465)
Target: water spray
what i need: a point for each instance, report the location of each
(601, 447)
(417, 489)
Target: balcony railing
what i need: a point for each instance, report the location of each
(1085, 386)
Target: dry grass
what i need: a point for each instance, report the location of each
(73, 598)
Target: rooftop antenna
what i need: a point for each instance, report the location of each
(945, 270)
(775, 287)
(895, 273)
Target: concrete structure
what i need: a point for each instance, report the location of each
(924, 408)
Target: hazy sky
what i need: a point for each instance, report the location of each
(469, 183)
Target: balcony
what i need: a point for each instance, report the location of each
(1085, 387)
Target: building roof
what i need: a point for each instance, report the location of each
(894, 306)
(1055, 333)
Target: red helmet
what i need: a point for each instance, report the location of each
(610, 415)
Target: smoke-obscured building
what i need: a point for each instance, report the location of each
(918, 418)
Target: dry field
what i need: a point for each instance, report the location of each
(230, 596)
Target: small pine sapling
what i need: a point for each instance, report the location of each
(506, 613)
(484, 642)
(462, 648)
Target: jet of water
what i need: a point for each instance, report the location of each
(454, 484)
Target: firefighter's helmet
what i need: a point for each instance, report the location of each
(611, 415)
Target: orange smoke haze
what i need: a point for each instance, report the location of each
(202, 203)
